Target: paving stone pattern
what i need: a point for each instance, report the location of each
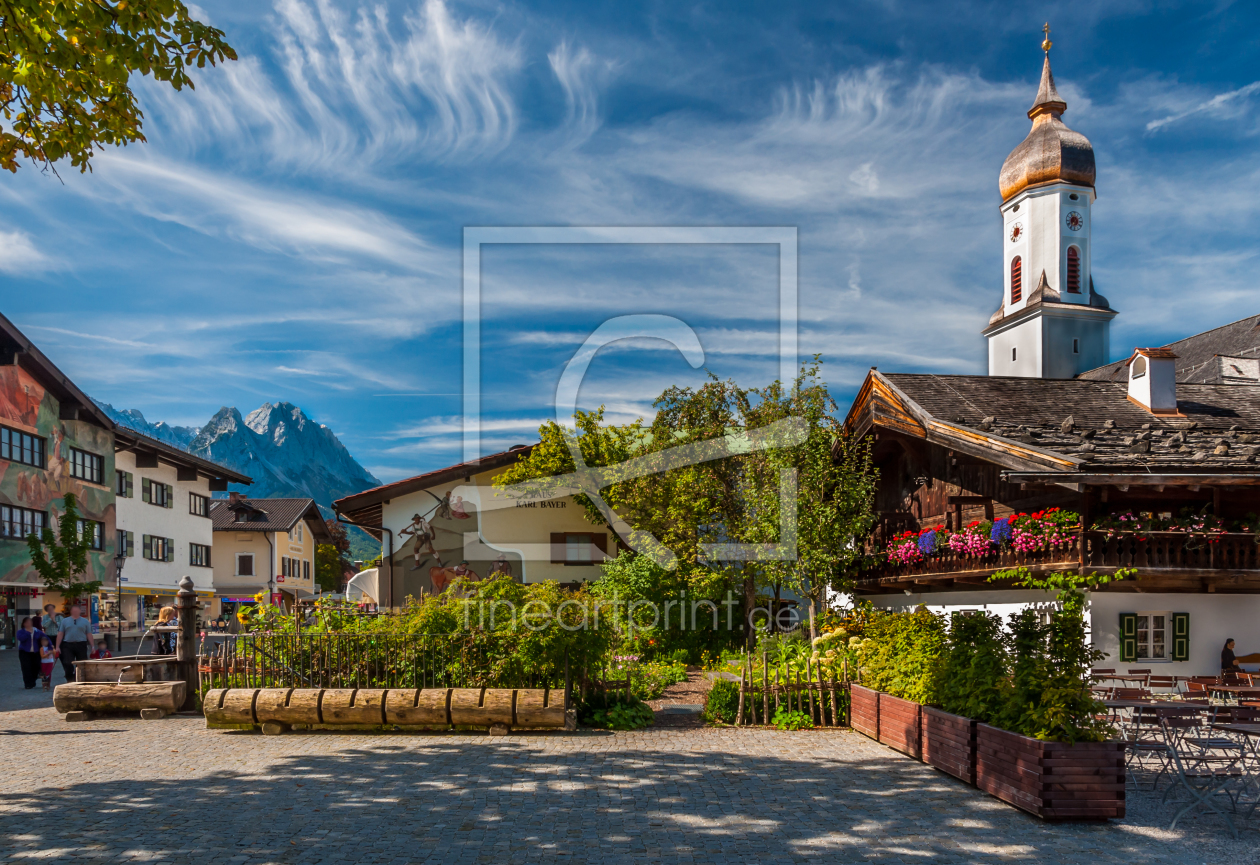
(171, 791)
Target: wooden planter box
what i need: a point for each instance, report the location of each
(864, 710)
(1053, 780)
(949, 743)
(899, 724)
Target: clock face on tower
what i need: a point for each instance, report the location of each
(1074, 221)
(1017, 232)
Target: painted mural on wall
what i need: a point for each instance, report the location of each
(26, 406)
(431, 549)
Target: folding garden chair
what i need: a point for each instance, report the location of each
(1204, 775)
(1163, 684)
(1144, 741)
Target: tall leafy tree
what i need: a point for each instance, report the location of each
(66, 67)
(60, 558)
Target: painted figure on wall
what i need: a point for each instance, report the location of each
(501, 565)
(451, 510)
(422, 536)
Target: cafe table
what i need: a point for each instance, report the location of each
(1251, 733)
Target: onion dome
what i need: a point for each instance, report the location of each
(1051, 153)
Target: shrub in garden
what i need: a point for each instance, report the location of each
(971, 679)
(786, 719)
(616, 714)
(722, 704)
(900, 653)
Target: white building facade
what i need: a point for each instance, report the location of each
(163, 497)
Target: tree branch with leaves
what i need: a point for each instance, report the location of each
(60, 558)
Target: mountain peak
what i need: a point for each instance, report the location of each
(284, 451)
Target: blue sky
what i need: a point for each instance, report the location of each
(292, 229)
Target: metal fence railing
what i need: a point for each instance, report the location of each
(372, 661)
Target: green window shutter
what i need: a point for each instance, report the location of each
(131, 544)
(170, 549)
(1128, 637)
(145, 492)
(169, 501)
(1181, 636)
(147, 546)
(131, 486)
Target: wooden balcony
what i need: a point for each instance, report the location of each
(1165, 561)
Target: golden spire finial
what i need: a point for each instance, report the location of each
(1045, 46)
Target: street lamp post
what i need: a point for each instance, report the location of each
(119, 561)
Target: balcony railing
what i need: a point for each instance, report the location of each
(1151, 551)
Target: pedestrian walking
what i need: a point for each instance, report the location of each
(74, 639)
(51, 619)
(28, 637)
(47, 656)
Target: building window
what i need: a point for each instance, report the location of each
(94, 531)
(125, 486)
(86, 466)
(1152, 633)
(295, 534)
(1013, 355)
(1074, 270)
(158, 549)
(1139, 367)
(199, 555)
(126, 543)
(19, 522)
(1017, 282)
(244, 564)
(1076, 346)
(19, 447)
(157, 493)
(577, 549)
(198, 505)
(306, 570)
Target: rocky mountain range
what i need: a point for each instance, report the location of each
(283, 450)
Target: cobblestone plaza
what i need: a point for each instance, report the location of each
(172, 791)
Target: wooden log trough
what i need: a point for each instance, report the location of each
(277, 710)
(79, 701)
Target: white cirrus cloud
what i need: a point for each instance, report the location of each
(18, 253)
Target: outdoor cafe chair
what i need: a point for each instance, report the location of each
(1146, 673)
(1144, 741)
(1163, 683)
(1130, 694)
(1205, 776)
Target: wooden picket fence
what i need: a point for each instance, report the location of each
(821, 694)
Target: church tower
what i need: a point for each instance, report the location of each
(1051, 324)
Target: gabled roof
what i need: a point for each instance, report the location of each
(1066, 425)
(364, 509)
(1196, 355)
(127, 439)
(75, 404)
(268, 515)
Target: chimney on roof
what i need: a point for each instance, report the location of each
(1153, 380)
(233, 498)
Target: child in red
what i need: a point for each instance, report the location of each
(47, 657)
(100, 652)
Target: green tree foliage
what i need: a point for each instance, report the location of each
(971, 679)
(835, 489)
(328, 567)
(66, 67)
(901, 653)
(61, 558)
(730, 499)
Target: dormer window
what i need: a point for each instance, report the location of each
(1017, 283)
(1139, 367)
(1074, 270)
(241, 516)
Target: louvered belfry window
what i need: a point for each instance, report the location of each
(1017, 283)
(1074, 270)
